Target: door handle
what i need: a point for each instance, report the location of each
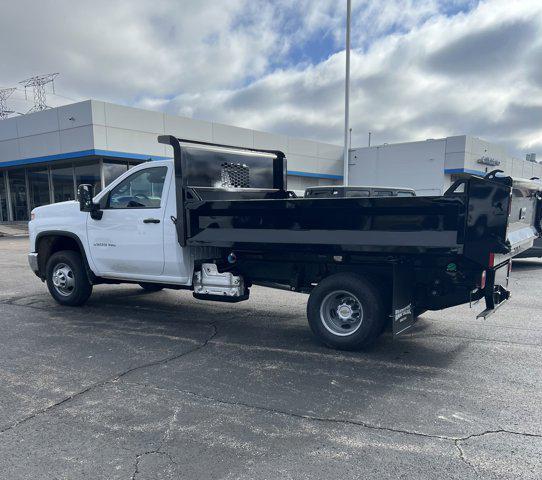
(151, 220)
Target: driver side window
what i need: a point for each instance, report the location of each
(142, 189)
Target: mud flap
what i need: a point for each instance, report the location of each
(402, 307)
(496, 293)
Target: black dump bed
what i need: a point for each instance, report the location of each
(488, 220)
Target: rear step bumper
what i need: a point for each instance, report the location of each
(493, 301)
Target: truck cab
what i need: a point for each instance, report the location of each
(133, 238)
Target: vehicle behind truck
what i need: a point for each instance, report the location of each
(218, 219)
(351, 191)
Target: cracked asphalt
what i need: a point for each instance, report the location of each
(140, 385)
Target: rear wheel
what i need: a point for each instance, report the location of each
(346, 311)
(151, 287)
(67, 278)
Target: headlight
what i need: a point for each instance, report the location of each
(32, 216)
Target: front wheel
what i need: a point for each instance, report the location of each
(346, 311)
(67, 279)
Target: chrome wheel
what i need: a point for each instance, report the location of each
(341, 313)
(63, 279)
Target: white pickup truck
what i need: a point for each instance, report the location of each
(218, 219)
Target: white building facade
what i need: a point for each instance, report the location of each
(431, 166)
(45, 155)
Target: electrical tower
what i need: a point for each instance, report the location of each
(38, 84)
(5, 93)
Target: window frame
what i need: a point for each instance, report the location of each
(106, 199)
(377, 193)
(405, 194)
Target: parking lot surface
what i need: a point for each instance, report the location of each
(140, 385)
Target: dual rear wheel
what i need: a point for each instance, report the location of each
(346, 311)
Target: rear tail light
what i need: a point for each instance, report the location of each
(483, 280)
(491, 259)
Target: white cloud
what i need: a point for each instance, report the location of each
(133, 49)
(420, 68)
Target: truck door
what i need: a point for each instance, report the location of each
(128, 241)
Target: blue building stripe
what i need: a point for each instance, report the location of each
(48, 158)
(132, 156)
(314, 175)
(464, 170)
(81, 153)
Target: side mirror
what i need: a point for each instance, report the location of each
(85, 194)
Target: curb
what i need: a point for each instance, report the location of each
(17, 235)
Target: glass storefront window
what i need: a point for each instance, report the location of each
(3, 199)
(113, 170)
(88, 173)
(38, 183)
(63, 183)
(17, 187)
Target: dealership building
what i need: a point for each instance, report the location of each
(45, 155)
(431, 166)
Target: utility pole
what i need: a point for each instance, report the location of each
(5, 93)
(347, 94)
(38, 84)
(369, 139)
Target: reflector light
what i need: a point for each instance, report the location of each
(491, 259)
(483, 280)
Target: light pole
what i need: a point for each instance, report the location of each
(347, 94)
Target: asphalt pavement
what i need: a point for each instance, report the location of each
(140, 385)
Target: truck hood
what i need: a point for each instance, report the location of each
(56, 209)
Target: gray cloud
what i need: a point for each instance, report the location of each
(534, 69)
(489, 51)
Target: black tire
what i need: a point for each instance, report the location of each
(151, 287)
(77, 287)
(348, 288)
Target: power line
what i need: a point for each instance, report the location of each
(5, 93)
(38, 84)
(65, 97)
(20, 94)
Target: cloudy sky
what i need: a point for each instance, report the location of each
(420, 68)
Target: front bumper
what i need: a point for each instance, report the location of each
(33, 262)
